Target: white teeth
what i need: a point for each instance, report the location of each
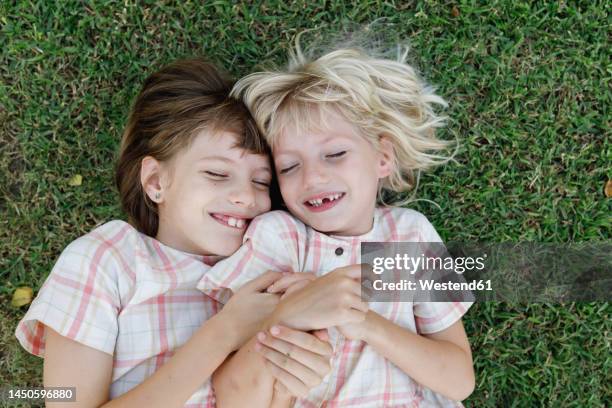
(231, 221)
(317, 202)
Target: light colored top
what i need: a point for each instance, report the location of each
(360, 377)
(126, 294)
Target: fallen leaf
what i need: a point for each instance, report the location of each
(608, 189)
(22, 296)
(76, 180)
(455, 11)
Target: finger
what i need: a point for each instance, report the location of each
(366, 291)
(352, 316)
(280, 389)
(262, 282)
(356, 303)
(304, 374)
(322, 335)
(352, 271)
(293, 385)
(288, 280)
(355, 288)
(296, 286)
(301, 339)
(315, 362)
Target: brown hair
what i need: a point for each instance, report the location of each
(174, 105)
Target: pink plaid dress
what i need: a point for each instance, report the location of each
(126, 294)
(360, 377)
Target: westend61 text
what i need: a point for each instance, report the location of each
(432, 285)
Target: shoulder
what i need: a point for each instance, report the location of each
(270, 243)
(406, 224)
(81, 297)
(113, 235)
(275, 222)
(405, 215)
(105, 247)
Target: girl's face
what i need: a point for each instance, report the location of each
(210, 192)
(329, 178)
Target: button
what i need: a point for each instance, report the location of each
(339, 251)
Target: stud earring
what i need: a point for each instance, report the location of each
(157, 196)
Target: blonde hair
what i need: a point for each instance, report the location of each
(380, 97)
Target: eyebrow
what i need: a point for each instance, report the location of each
(266, 169)
(329, 138)
(222, 158)
(230, 161)
(325, 141)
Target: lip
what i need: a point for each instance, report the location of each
(326, 205)
(222, 218)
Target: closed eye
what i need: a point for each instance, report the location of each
(216, 175)
(287, 169)
(262, 183)
(336, 155)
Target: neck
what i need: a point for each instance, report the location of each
(172, 238)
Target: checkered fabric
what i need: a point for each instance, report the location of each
(126, 294)
(360, 377)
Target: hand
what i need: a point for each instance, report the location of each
(291, 282)
(299, 361)
(330, 300)
(249, 307)
(355, 331)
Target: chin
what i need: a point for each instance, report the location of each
(325, 227)
(320, 224)
(227, 249)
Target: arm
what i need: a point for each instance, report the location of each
(69, 363)
(179, 378)
(327, 301)
(291, 363)
(441, 361)
(243, 380)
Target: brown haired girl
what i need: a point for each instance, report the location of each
(120, 317)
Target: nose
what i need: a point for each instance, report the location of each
(314, 175)
(243, 195)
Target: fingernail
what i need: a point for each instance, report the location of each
(261, 336)
(275, 330)
(257, 347)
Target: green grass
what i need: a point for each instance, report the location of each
(529, 92)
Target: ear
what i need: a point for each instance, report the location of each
(386, 157)
(150, 179)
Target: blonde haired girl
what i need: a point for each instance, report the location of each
(349, 132)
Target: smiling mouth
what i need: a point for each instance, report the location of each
(232, 222)
(323, 203)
